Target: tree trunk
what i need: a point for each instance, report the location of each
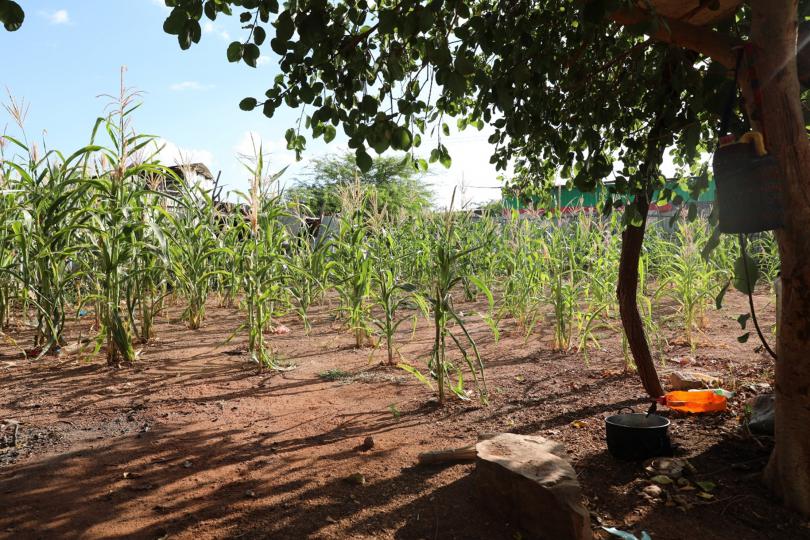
(773, 34)
(780, 118)
(627, 290)
(633, 238)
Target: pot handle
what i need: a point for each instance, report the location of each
(629, 408)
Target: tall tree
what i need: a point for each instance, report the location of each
(393, 182)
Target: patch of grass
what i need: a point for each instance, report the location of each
(334, 375)
(379, 377)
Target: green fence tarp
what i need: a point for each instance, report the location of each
(572, 197)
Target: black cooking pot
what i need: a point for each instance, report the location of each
(637, 436)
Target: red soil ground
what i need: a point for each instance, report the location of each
(191, 442)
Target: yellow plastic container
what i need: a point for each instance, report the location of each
(705, 401)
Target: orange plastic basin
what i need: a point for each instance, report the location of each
(695, 402)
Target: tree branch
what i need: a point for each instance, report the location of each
(717, 46)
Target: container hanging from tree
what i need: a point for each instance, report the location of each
(749, 194)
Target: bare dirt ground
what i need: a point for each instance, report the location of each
(191, 442)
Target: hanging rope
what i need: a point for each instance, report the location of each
(749, 287)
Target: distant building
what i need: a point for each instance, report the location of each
(192, 174)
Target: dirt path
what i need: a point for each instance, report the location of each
(192, 443)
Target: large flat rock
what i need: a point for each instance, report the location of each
(529, 482)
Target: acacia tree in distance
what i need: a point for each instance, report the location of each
(547, 76)
(396, 184)
(388, 70)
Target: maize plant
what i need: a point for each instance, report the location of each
(117, 236)
(48, 236)
(449, 327)
(264, 269)
(525, 275)
(8, 214)
(192, 248)
(390, 294)
(686, 277)
(564, 286)
(146, 290)
(309, 253)
(352, 270)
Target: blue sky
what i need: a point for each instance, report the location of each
(68, 52)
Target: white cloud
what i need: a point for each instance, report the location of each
(172, 154)
(471, 174)
(211, 28)
(188, 85)
(160, 4)
(60, 16)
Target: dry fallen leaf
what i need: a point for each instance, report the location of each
(706, 485)
(661, 479)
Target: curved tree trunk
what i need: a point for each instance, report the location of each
(633, 240)
(773, 33)
(627, 290)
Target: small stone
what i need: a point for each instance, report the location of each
(682, 361)
(682, 503)
(760, 388)
(664, 466)
(692, 380)
(761, 419)
(187, 464)
(653, 492)
(280, 330)
(368, 444)
(250, 493)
